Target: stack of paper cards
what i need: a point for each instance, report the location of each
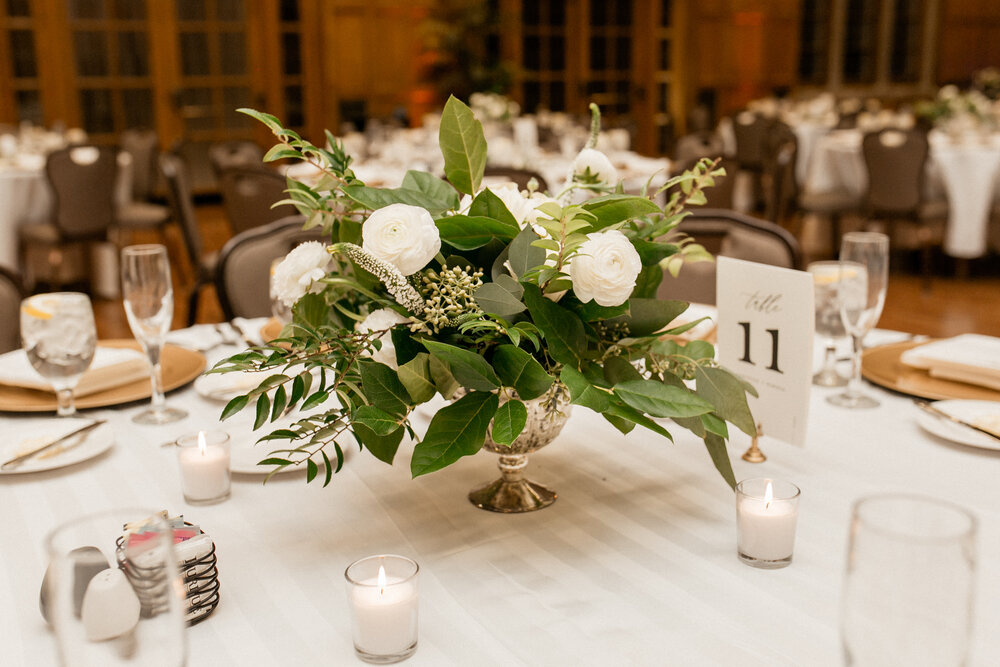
(970, 358)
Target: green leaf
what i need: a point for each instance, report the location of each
(582, 392)
(648, 316)
(562, 329)
(263, 410)
(280, 152)
(383, 388)
(488, 205)
(612, 209)
(522, 255)
(720, 457)
(311, 470)
(441, 375)
(622, 411)
(376, 198)
(593, 312)
(311, 309)
(620, 369)
(404, 344)
(379, 421)
(726, 392)
(438, 190)
(463, 146)
(520, 370)
(382, 447)
(620, 423)
(465, 232)
(416, 377)
(660, 400)
(651, 252)
(234, 406)
(715, 425)
(314, 400)
(693, 424)
(508, 422)
(279, 401)
(470, 369)
(455, 431)
(648, 282)
(499, 298)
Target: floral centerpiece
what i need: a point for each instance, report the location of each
(493, 298)
(956, 111)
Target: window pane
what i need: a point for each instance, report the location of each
(130, 9)
(904, 63)
(622, 55)
(194, 53)
(598, 59)
(22, 46)
(86, 9)
(237, 98)
(623, 12)
(815, 41)
(233, 51)
(557, 13)
(19, 7)
(532, 53)
(196, 108)
(230, 10)
(531, 12)
(294, 110)
(665, 54)
(133, 54)
(91, 48)
(289, 10)
(666, 13)
(557, 96)
(557, 53)
(97, 115)
(29, 106)
(191, 10)
(138, 105)
(290, 54)
(860, 41)
(532, 96)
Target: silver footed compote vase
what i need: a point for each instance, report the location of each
(512, 493)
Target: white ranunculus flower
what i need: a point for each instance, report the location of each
(385, 318)
(598, 164)
(403, 235)
(605, 268)
(299, 272)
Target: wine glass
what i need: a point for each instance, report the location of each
(113, 591)
(864, 276)
(149, 306)
(828, 323)
(908, 588)
(59, 337)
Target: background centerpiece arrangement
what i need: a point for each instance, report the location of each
(511, 304)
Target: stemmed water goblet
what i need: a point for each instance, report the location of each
(829, 325)
(149, 305)
(861, 287)
(59, 339)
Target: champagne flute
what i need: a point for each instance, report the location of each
(59, 339)
(908, 588)
(149, 306)
(864, 276)
(828, 323)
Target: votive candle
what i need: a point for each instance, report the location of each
(383, 596)
(767, 511)
(204, 463)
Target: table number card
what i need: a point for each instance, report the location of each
(765, 334)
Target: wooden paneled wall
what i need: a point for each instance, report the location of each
(969, 38)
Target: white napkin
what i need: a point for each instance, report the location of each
(200, 337)
(970, 358)
(111, 367)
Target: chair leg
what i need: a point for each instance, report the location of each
(835, 234)
(193, 301)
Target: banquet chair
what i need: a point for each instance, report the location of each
(11, 294)
(728, 234)
(57, 251)
(750, 130)
(696, 145)
(719, 195)
(135, 211)
(519, 176)
(248, 194)
(244, 270)
(177, 177)
(242, 153)
(896, 161)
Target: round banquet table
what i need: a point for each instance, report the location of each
(634, 564)
(25, 197)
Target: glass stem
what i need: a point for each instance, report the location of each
(158, 400)
(830, 358)
(854, 385)
(64, 397)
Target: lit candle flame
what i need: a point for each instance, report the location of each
(768, 495)
(202, 444)
(381, 580)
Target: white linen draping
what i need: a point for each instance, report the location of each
(634, 564)
(25, 197)
(969, 170)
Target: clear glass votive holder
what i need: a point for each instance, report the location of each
(382, 594)
(204, 463)
(767, 511)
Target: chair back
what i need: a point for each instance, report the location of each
(177, 177)
(83, 182)
(781, 148)
(249, 193)
(142, 145)
(750, 130)
(11, 294)
(896, 160)
(690, 147)
(728, 234)
(243, 276)
(243, 153)
(719, 195)
(519, 176)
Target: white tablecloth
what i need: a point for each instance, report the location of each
(634, 564)
(24, 197)
(968, 172)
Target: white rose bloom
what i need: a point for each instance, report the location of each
(598, 163)
(385, 318)
(605, 268)
(299, 272)
(403, 235)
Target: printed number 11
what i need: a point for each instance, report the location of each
(774, 347)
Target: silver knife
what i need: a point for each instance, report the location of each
(927, 407)
(21, 458)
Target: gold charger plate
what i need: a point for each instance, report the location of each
(180, 366)
(271, 330)
(882, 366)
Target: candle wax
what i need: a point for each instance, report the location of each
(766, 532)
(205, 475)
(385, 620)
